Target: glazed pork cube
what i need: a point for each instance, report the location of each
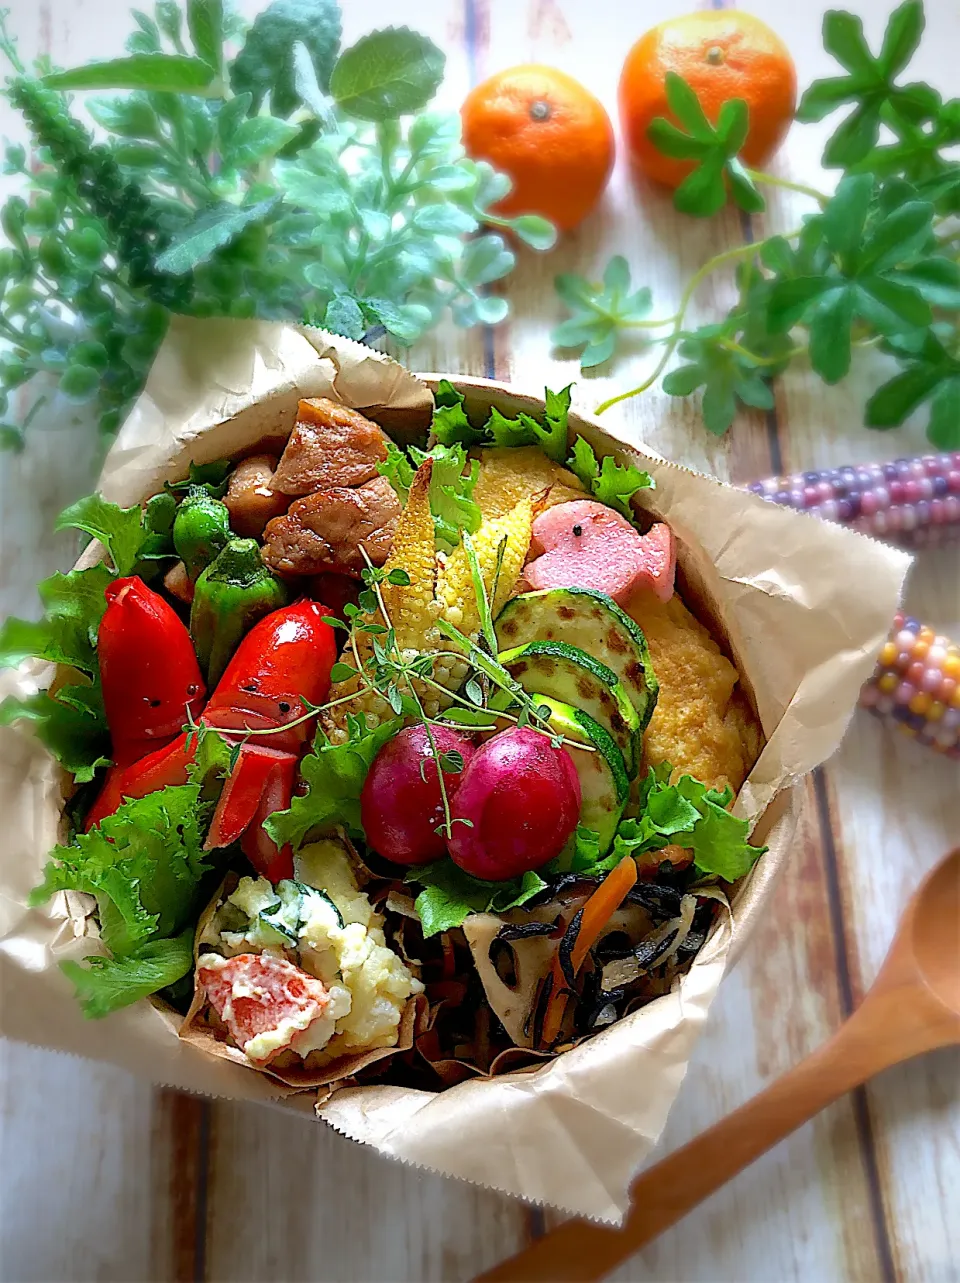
(332, 529)
(331, 445)
(251, 499)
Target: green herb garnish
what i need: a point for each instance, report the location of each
(875, 264)
(450, 895)
(246, 170)
(145, 865)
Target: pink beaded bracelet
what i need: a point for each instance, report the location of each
(916, 685)
(911, 502)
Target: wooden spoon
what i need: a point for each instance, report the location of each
(913, 1007)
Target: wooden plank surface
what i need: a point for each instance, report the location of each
(102, 1177)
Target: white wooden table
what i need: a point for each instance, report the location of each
(104, 1177)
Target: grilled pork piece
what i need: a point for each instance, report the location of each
(250, 496)
(330, 446)
(331, 530)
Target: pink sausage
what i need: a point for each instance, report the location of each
(587, 545)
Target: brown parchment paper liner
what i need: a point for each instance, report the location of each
(804, 608)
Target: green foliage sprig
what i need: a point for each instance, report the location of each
(244, 171)
(877, 264)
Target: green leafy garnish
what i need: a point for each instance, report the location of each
(71, 724)
(67, 633)
(713, 147)
(687, 814)
(449, 895)
(398, 470)
(452, 484)
(451, 427)
(690, 815)
(293, 180)
(333, 775)
(586, 851)
(609, 482)
(450, 423)
(145, 866)
(617, 483)
(120, 530)
(599, 313)
(550, 435)
(213, 760)
(107, 984)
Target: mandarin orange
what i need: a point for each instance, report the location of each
(548, 134)
(721, 55)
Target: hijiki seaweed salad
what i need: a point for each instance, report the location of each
(389, 762)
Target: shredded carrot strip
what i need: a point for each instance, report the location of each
(596, 913)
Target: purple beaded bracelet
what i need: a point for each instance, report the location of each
(911, 502)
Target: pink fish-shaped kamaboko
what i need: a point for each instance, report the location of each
(588, 545)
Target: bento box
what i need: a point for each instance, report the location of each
(466, 888)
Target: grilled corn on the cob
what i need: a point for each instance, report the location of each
(455, 592)
(412, 607)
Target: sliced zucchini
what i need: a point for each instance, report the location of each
(604, 784)
(594, 623)
(306, 892)
(273, 930)
(569, 674)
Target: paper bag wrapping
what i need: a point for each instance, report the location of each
(804, 608)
